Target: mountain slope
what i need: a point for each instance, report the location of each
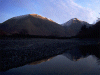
(32, 24)
(73, 26)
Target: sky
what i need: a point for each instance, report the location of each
(59, 11)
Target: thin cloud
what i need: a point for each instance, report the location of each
(63, 10)
(58, 10)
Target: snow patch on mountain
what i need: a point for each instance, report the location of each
(74, 20)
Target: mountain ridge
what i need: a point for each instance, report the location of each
(34, 24)
(74, 20)
(73, 26)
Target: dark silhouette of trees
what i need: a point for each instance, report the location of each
(91, 32)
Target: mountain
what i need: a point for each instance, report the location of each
(32, 24)
(73, 26)
(74, 21)
(91, 32)
(2, 33)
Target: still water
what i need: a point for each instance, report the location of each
(49, 56)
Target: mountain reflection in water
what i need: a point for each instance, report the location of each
(40, 61)
(78, 53)
(83, 51)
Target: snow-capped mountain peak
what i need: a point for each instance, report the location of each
(74, 21)
(68, 23)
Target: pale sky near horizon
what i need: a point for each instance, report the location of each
(59, 11)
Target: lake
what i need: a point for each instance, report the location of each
(49, 56)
